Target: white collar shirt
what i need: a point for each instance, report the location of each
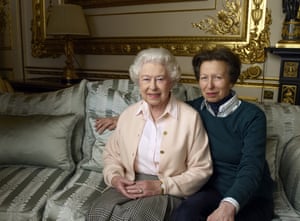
(225, 109)
(147, 159)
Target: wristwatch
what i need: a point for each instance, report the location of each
(162, 186)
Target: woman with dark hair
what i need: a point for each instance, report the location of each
(240, 188)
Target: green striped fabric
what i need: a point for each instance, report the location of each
(104, 99)
(289, 171)
(74, 201)
(283, 121)
(25, 190)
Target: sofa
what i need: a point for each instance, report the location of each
(50, 161)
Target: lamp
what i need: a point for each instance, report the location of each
(67, 21)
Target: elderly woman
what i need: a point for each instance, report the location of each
(158, 153)
(240, 188)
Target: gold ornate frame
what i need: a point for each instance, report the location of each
(111, 3)
(249, 41)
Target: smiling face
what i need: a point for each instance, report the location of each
(155, 85)
(214, 80)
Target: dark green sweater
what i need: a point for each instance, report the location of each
(237, 144)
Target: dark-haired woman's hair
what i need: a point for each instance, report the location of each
(219, 54)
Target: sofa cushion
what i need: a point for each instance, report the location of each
(106, 99)
(65, 101)
(290, 171)
(25, 190)
(38, 140)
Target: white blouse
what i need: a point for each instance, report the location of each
(147, 160)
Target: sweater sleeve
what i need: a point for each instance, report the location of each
(250, 171)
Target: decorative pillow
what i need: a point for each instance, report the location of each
(290, 171)
(102, 101)
(65, 101)
(37, 140)
(106, 99)
(271, 155)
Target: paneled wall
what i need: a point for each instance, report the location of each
(118, 32)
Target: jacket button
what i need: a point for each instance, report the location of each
(165, 133)
(162, 152)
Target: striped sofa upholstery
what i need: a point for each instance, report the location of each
(40, 143)
(65, 192)
(73, 202)
(25, 190)
(283, 122)
(110, 97)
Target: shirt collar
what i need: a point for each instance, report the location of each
(171, 109)
(225, 109)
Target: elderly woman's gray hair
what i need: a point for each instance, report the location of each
(155, 55)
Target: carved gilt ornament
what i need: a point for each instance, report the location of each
(288, 94)
(242, 25)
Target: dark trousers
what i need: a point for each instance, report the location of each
(200, 205)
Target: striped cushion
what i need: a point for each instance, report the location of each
(104, 99)
(74, 201)
(24, 191)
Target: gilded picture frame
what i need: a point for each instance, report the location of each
(113, 3)
(252, 38)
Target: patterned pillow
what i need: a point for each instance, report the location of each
(104, 99)
(37, 140)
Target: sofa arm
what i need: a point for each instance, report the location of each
(289, 172)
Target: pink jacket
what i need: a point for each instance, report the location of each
(185, 161)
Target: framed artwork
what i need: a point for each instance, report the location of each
(183, 27)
